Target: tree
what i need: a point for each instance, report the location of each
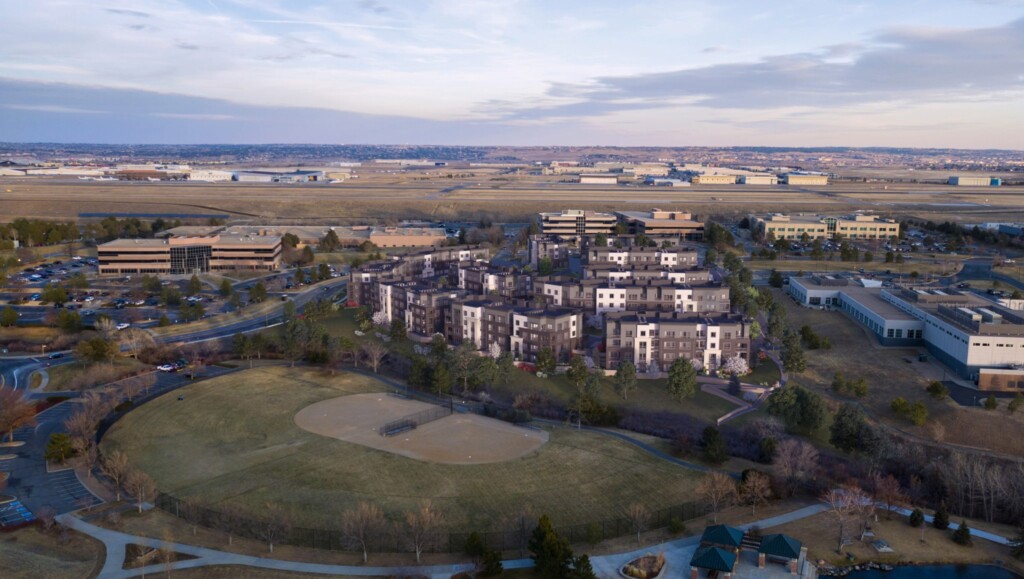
(545, 266)
(307, 257)
(53, 294)
(849, 429)
(682, 379)
(226, 290)
(398, 331)
(962, 535)
(937, 389)
(546, 360)
(639, 516)
(775, 279)
(888, 492)
(294, 339)
(441, 378)
(551, 554)
(796, 462)
(141, 486)
(991, 403)
(195, 286)
(323, 271)
(799, 408)
(776, 321)
(8, 317)
(506, 364)
(258, 293)
(941, 518)
(713, 445)
(755, 489)
(136, 340)
(241, 346)
(59, 448)
(581, 568)
(374, 352)
(192, 512)
(792, 353)
(718, 490)
(736, 365)
(364, 526)
(625, 379)
(115, 467)
(330, 242)
(423, 528)
(1018, 544)
(462, 359)
(16, 411)
(1015, 403)
(916, 518)
(843, 504)
(273, 524)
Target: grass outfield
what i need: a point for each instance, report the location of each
(234, 440)
(29, 553)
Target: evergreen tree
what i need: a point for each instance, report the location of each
(793, 353)
(225, 288)
(713, 445)
(581, 568)
(916, 518)
(625, 379)
(195, 286)
(962, 535)
(552, 555)
(682, 379)
(941, 519)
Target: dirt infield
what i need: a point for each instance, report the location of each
(455, 439)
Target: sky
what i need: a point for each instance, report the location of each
(939, 73)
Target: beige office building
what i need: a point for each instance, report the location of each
(714, 180)
(186, 255)
(574, 222)
(780, 226)
(661, 222)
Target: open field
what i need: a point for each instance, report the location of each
(889, 374)
(233, 440)
(29, 554)
(454, 439)
(819, 534)
(415, 195)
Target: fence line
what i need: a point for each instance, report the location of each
(452, 542)
(414, 420)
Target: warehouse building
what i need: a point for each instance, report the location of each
(975, 181)
(804, 179)
(599, 179)
(186, 255)
(209, 175)
(713, 179)
(978, 340)
(759, 180)
(857, 226)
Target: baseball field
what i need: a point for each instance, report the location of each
(310, 442)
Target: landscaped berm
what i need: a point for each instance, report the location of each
(311, 442)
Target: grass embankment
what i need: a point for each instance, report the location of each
(35, 335)
(819, 533)
(80, 375)
(894, 372)
(29, 553)
(234, 440)
(270, 307)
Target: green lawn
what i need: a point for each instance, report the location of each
(766, 372)
(234, 440)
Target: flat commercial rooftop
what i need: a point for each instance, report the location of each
(871, 299)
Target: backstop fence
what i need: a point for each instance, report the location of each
(239, 525)
(415, 419)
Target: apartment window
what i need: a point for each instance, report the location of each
(890, 333)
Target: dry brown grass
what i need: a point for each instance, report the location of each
(29, 553)
(890, 375)
(240, 572)
(819, 533)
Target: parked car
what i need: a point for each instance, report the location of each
(56, 355)
(166, 368)
(123, 326)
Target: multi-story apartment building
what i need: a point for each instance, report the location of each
(601, 296)
(661, 338)
(185, 255)
(553, 247)
(642, 256)
(412, 266)
(616, 272)
(493, 281)
(520, 330)
(778, 226)
(577, 222)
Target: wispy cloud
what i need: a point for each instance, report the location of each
(60, 109)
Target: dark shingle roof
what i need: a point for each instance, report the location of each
(722, 535)
(780, 546)
(713, 558)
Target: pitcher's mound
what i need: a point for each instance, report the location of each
(456, 439)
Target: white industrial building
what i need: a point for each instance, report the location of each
(978, 340)
(973, 181)
(804, 179)
(599, 179)
(210, 175)
(759, 180)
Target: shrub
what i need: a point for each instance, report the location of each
(916, 518)
(594, 533)
(676, 526)
(938, 389)
(962, 535)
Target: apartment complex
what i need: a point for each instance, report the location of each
(598, 296)
(779, 226)
(979, 340)
(669, 257)
(523, 331)
(659, 222)
(658, 339)
(187, 255)
(576, 222)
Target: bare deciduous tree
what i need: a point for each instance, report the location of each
(888, 492)
(192, 512)
(363, 526)
(141, 486)
(374, 352)
(274, 524)
(136, 340)
(15, 411)
(115, 467)
(81, 425)
(756, 490)
(106, 327)
(718, 490)
(639, 516)
(844, 503)
(423, 528)
(796, 462)
(522, 521)
(167, 551)
(230, 520)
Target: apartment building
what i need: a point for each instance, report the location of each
(779, 226)
(186, 255)
(364, 280)
(658, 339)
(661, 222)
(421, 306)
(520, 330)
(553, 247)
(615, 272)
(493, 281)
(640, 256)
(597, 296)
(577, 222)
